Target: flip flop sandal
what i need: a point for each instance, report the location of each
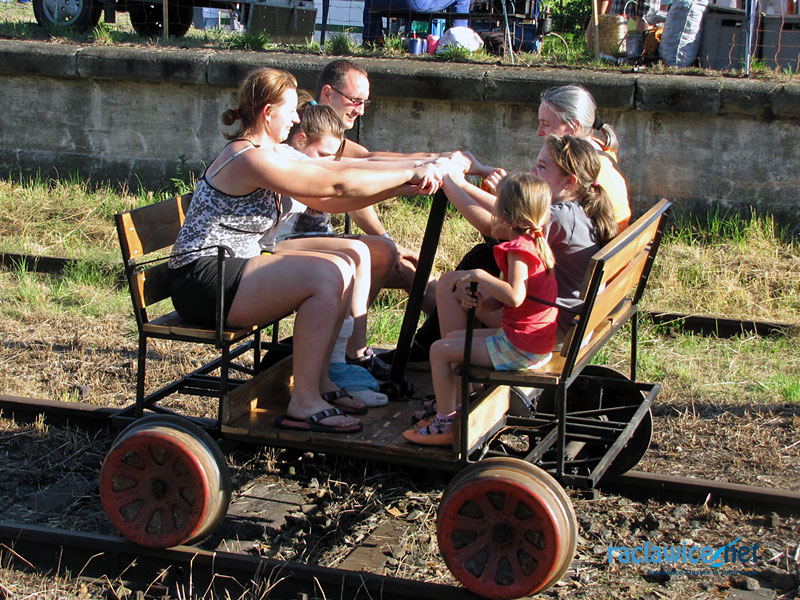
(312, 423)
(334, 398)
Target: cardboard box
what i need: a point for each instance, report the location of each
(286, 21)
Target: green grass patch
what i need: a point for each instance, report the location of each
(709, 370)
(340, 44)
(785, 387)
(726, 264)
(84, 289)
(250, 41)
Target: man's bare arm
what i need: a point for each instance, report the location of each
(367, 219)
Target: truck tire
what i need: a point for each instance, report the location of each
(147, 18)
(83, 15)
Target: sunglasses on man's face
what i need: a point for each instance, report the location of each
(353, 101)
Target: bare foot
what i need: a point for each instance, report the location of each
(302, 408)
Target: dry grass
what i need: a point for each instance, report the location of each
(62, 218)
(742, 270)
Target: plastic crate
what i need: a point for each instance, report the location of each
(722, 39)
(781, 42)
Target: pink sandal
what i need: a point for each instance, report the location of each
(439, 432)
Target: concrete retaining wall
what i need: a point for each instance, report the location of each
(123, 113)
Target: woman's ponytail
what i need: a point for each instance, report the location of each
(596, 203)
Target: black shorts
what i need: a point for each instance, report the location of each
(481, 257)
(194, 288)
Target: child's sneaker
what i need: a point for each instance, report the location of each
(438, 433)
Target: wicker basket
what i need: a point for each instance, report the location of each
(613, 29)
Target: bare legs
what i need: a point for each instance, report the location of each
(449, 352)
(383, 258)
(359, 254)
(394, 271)
(319, 287)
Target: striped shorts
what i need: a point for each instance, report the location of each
(506, 357)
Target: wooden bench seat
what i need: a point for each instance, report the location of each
(613, 285)
(172, 324)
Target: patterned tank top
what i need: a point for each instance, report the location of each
(218, 219)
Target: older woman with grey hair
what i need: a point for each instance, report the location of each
(571, 110)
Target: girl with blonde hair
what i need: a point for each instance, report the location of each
(527, 333)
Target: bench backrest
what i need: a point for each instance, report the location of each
(614, 282)
(143, 232)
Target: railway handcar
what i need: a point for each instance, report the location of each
(506, 527)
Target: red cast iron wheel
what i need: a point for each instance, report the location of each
(164, 482)
(506, 529)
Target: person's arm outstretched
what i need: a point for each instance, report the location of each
(472, 202)
(337, 189)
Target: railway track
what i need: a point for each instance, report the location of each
(190, 572)
(633, 484)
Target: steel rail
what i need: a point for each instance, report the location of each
(673, 488)
(39, 264)
(633, 484)
(720, 326)
(79, 414)
(187, 571)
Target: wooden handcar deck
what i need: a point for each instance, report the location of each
(249, 414)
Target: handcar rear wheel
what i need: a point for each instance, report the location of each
(581, 398)
(506, 528)
(639, 442)
(164, 482)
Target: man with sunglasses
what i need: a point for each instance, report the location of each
(344, 86)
